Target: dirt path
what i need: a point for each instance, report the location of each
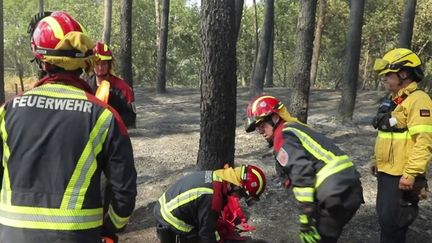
(166, 143)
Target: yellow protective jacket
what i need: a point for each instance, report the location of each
(407, 153)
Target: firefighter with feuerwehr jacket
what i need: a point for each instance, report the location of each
(57, 139)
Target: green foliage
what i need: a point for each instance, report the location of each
(380, 34)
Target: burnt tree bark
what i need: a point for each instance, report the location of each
(218, 84)
(317, 41)
(407, 24)
(257, 82)
(126, 42)
(351, 63)
(299, 98)
(107, 22)
(162, 49)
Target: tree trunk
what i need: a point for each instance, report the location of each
(41, 6)
(126, 42)
(351, 62)
(162, 49)
(107, 22)
(238, 15)
(257, 82)
(2, 90)
(157, 21)
(218, 84)
(407, 24)
(317, 41)
(256, 30)
(269, 72)
(298, 101)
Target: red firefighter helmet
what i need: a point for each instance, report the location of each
(253, 181)
(259, 108)
(102, 52)
(60, 40)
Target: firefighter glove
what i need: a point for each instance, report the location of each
(308, 231)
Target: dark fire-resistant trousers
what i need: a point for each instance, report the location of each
(332, 220)
(166, 235)
(396, 211)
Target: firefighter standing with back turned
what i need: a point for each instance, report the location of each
(121, 96)
(403, 146)
(188, 211)
(57, 139)
(325, 182)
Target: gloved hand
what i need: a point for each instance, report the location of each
(406, 182)
(308, 231)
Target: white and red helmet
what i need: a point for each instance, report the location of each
(259, 108)
(253, 181)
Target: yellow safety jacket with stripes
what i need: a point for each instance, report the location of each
(56, 141)
(408, 151)
(192, 205)
(318, 169)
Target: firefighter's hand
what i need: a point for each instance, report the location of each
(406, 183)
(308, 231)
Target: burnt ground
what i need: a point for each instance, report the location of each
(166, 143)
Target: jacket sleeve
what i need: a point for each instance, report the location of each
(420, 128)
(121, 174)
(299, 165)
(207, 219)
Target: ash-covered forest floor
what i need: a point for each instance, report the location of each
(166, 143)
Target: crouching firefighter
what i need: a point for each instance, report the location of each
(325, 182)
(188, 211)
(56, 141)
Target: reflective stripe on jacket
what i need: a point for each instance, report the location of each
(56, 141)
(317, 168)
(409, 152)
(191, 206)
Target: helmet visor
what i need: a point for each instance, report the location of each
(383, 66)
(380, 65)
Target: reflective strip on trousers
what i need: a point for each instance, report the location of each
(50, 218)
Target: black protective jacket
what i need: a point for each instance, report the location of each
(192, 205)
(121, 98)
(318, 169)
(56, 141)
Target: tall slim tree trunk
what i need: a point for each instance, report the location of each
(238, 15)
(41, 6)
(107, 22)
(317, 41)
(351, 62)
(407, 24)
(269, 72)
(162, 49)
(126, 42)
(2, 90)
(299, 98)
(157, 21)
(257, 82)
(256, 31)
(218, 84)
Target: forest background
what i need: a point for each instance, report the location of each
(381, 25)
